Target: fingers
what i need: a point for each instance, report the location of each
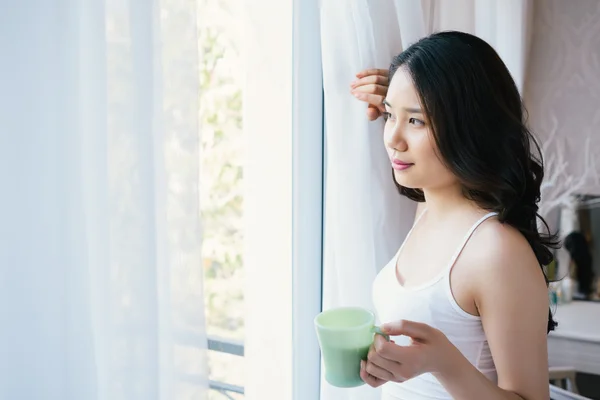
(373, 112)
(372, 94)
(378, 372)
(372, 71)
(372, 88)
(415, 330)
(371, 80)
(374, 99)
(377, 362)
(369, 379)
(390, 351)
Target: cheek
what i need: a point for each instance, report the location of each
(390, 152)
(424, 149)
(434, 161)
(438, 170)
(428, 155)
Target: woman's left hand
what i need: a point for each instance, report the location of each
(430, 351)
(371, 86)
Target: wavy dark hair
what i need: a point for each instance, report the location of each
(579, 250)
(478, 121)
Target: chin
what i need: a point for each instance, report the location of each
(408, 185)
(403, 180)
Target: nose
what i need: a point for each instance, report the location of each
(394, 139)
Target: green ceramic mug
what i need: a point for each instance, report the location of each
(345, 335)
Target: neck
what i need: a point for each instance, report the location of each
(446, 201)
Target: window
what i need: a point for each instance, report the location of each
(261, 203)
(221, 194)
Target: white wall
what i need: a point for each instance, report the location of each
(563, 77)
(563, 82)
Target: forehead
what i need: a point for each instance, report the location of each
(401, 92)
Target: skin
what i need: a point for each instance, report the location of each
(515, 327)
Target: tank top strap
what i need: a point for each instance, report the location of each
(418, 218)
(466, 239)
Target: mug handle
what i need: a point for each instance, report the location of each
(377, 330)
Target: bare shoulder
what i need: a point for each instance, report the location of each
(501, 254)
(497, 244)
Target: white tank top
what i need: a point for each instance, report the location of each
(431, 303)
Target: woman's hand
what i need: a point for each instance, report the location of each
(430, 351)
(371, 86)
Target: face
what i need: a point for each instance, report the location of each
(409, 140)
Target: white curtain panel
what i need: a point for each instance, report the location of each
(505, 24)
(365, 217)
(101, 280)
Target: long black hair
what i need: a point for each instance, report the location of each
(577, 246)
(478, 121)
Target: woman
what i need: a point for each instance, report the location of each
(465, 298)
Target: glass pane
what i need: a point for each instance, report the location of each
(221, 196)
(222, 173)
(226, 368)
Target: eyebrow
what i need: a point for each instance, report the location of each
(407, 109)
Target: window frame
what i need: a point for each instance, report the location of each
(308, 197)
(283, 204)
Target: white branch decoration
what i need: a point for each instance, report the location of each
(559, 186)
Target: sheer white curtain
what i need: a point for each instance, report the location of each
(365, 218)
(506, 25)
(101, 279)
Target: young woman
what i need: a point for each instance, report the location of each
(465, 298)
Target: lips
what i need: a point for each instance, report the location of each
(400, 165)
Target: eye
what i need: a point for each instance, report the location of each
(416, 122)
(387, 116)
